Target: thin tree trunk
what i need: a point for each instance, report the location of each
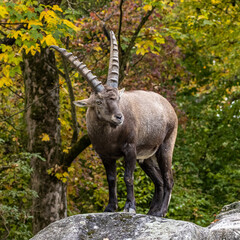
(42, 88)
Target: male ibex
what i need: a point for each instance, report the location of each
(136, 125)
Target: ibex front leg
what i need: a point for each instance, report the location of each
(130, 164)
(110, 167)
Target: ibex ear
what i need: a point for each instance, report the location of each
(120, 92)
(83, 103)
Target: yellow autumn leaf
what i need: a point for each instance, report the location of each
(70, 24)
(155, 52)
(45, 137)
(141, 51)
(26, 36)
(62, 121)
(51, 17)
(34, 22)
(71, 169)
(6, 71)
(6, 48)
(32, 49)
(5, 81)
(97, 48)
(58, 175)
(56, 8)
(49, 40)
(76, 75)
(202, 17)
(159, 39)
(144, 47)
(3, 12)
(64, 180)
(15, 34)
(20, 8)
(42, 15)
(147, 8)
(216, 1)
(50, 171)
(65, 174)
(4, 57)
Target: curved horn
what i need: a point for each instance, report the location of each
(113, 70)
(81, 68)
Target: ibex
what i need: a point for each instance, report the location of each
(136, 125)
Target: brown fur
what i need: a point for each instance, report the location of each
(137, 125)
(134, 125)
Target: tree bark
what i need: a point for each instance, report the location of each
(42, 91)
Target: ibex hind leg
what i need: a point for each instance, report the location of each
(129, 151)
(151, 167)
(164, 157)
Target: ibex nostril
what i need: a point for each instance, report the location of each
(118, 116)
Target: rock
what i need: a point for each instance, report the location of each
(122, 226)
(227, 223)
(128, 226)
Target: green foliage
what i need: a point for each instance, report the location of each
(16, 195)
(87, 189)
(206, 158)
(38, 26)
(188, 52)
(143, 188)
(201, 67)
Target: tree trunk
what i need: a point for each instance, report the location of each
(42, 93)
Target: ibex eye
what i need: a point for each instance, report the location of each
(99, 102)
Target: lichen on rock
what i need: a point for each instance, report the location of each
(128, 226)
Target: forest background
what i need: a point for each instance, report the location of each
(188, 51)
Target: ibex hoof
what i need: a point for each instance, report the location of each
(111, 208)
(156, 213)
(131, 210)
(130, 207)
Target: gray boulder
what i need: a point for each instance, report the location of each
(227, 223)
(127, 226)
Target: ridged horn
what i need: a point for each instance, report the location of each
(113, 70)
(81, 68)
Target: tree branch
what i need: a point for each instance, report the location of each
(1, 32)
(120, 28)
(72, 99)
(76, 149)
(3, 168)
(124, 58)
(10, 41)
(15, 92)
(139, 60)
(28, 106)
(5, 225)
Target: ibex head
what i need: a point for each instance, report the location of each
(105, 104)
(104, 99)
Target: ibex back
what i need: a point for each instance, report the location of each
(136, 125)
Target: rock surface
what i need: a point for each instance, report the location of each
(227, 223)
(127, 226)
